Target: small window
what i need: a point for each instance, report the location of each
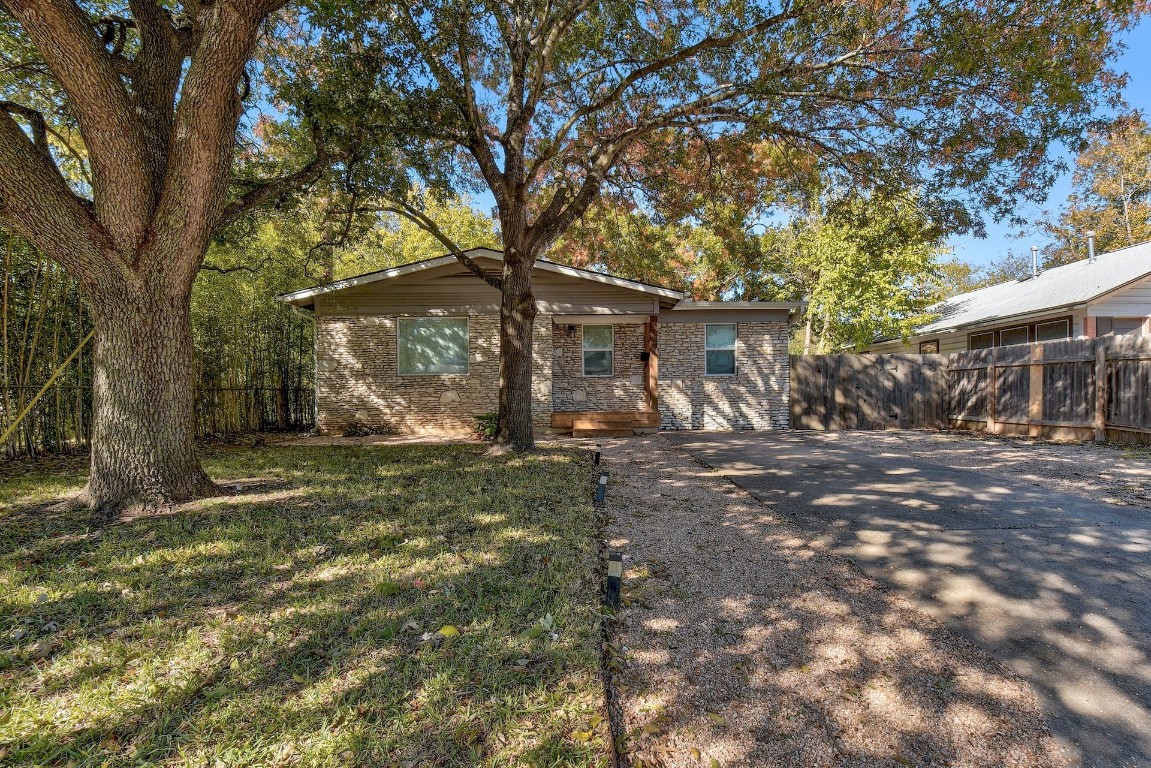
(982, 340)
(598, 350)
(1053, 331)
(432, 346)
(719, 349)
(1123, 326)
(1011, 336)
(929, 347)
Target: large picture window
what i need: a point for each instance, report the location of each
(432, 346)
(719, 349)
(598, 350)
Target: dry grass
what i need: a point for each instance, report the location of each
(297, 622)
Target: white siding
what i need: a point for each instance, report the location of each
(453, 290)
(1132, 301)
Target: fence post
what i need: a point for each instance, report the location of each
(992, 392)
(1035, 392)
(1100, 390)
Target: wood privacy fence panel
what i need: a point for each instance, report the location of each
(1076, 389)
(868, 391)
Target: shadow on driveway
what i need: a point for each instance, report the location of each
(1056, 585)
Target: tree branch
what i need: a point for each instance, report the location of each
(424, 222)
(62, 33)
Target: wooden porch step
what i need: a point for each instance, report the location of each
(616, 420)
(578, 432)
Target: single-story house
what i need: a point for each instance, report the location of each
(1100, 296)
(415, 349)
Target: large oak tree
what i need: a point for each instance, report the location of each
(153, 97)
(543, 100)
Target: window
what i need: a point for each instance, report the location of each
(598, 350)
(1122, 326)
(719, 349)
(929, 347)
(1053, 331)
(1010, 336)
(431, 346)
(981, 340)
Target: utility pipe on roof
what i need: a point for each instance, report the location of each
(1090, 246)
(1035, 261)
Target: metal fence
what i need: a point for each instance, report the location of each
(62, 419)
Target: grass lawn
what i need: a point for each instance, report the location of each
(297, 622)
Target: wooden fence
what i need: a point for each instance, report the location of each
(868, 392)
(1082, 389)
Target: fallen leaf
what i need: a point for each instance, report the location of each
(716, 719)
(582, 735)
(41, 649)
(695, 755)
(449, 631)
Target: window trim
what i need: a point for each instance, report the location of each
(996, 333)
(1026, 332)
(467, 342)
(706, 349)
(929, 341)
(584, 350)
(1066, 321)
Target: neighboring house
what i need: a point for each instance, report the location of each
(415, 349)
(1108, 295)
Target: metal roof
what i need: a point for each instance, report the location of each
(1056, 288)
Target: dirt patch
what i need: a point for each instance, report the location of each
(743, 642)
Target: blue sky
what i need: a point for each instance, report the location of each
(1136, 61)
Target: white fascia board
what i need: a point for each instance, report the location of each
(386, 274)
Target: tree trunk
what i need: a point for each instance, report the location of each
(143, 440)
(517, 314)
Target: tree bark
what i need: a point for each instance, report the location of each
(143, 444)
(517, 315)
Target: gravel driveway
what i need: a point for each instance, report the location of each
(745, 642)
(1038, 553)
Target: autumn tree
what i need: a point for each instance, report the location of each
(542, 102)
(1111, 193)
(147, 100)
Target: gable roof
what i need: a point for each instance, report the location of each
(306, 297)
(1056, 288)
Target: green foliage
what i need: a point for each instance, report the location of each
(486, 425)
(308, 619)
(1111, 193)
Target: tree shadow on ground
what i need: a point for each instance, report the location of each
(751, 643)
(1053, 585)
(295, 622)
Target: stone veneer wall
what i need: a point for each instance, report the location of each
(756, 397)
(357, 382)
(622, 391)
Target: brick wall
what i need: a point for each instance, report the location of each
(756, 397)
(622, 391)
(357, 382)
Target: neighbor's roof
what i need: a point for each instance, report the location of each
(304, 297)
(1056, 288)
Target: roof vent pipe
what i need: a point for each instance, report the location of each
(1090, 246)
(1035, 261)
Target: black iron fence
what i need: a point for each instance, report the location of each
(61, 421)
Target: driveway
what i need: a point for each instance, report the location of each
(1054, 583)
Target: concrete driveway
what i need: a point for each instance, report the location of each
(1056, 585)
